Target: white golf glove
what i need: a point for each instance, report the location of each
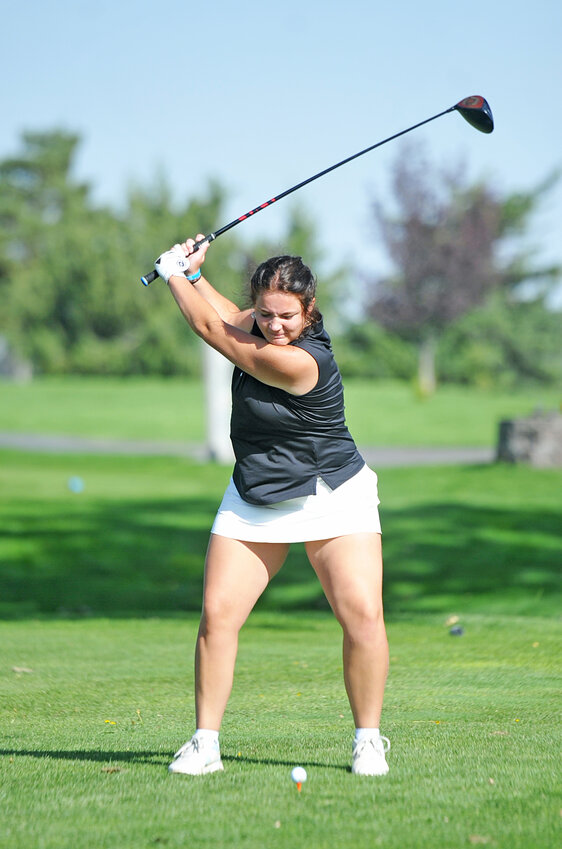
(172, 262)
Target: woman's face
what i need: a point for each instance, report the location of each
(280, 316)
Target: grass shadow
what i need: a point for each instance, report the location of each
(106, 558)
(290, 764)
(154, 758)
(442, 553)
(134, 557)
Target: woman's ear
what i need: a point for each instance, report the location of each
(308, 313)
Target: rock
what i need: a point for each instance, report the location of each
(536, 440)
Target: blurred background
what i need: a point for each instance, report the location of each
(129, 127)
(126, 128)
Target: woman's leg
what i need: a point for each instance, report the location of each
(350, 571)
(236, 574)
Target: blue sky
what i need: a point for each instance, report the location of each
(263, 95)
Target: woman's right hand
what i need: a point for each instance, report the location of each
(196, 258)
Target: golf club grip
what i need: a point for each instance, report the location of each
(146, 279)
(149, 278)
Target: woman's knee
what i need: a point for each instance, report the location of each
(219, 615)
(363, 622)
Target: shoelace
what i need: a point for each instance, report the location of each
(191, 744)
(373, 742)
(386, 742)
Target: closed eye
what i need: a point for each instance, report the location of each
(286, 316)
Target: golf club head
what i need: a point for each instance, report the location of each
(476, 110)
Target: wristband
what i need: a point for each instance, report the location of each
(193, 278)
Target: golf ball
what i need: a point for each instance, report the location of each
(298, 774)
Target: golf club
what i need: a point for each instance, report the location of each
(474, 109)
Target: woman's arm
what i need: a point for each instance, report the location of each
(227, 310)
(285, 367)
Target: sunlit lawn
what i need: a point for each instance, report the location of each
(99, 591)
(92, 711)
(378, 412)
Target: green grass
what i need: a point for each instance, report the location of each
(92, 711)
(99, 593)
(134, 408)
(456, 539)
(378, 412)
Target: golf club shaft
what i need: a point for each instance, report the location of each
(152, 275)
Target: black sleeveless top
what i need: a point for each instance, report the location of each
(283, 442)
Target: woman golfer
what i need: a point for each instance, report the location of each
(298, 477)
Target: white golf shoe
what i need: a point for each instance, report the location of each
(369, 756)
(196, 757)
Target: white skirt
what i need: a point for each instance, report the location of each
(351, 508)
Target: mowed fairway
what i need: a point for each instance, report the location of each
(100, 591)
(92, 712)
(379, 412)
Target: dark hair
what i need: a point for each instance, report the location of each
(286, 274)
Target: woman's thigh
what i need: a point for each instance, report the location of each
(236, 574)
(349, 569)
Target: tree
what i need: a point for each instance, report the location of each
(69, 270)
(447, 242)
(503, 343)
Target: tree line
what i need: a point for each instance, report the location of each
(465, 300)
